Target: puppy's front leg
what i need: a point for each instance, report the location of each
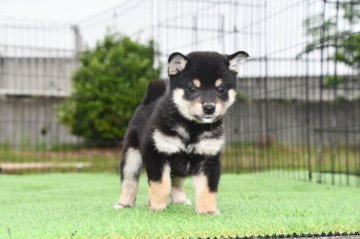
(206, 184)
(159, 190)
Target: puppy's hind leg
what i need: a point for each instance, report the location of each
(130, 169)
(178, 194)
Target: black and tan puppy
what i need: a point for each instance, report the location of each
(177, 131)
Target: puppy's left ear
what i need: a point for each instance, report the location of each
(235, 60)
(176, 63)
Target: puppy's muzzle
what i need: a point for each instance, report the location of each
(208, 108)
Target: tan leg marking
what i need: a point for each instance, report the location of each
(159, 192)
(129, 185)
(128, 194)
(178, 194)
(205, 201)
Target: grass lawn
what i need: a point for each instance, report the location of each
(80, 206)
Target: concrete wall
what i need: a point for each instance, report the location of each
(32, 121)
(30, 89)
(299, 88)
(36, 75)
(286, 122)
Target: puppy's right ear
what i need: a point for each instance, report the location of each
(176, 63)
(235, 59)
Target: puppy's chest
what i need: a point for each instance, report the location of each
(182, 140)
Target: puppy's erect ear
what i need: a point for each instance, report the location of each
(177, 63)
(235, 60)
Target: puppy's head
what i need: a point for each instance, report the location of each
(203, 84)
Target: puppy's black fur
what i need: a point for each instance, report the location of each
(178, 130)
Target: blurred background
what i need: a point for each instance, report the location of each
(72, 73)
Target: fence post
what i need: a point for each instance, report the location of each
(308, 146)
(78, 43)
(321, 120)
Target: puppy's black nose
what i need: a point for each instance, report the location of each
(209, 108)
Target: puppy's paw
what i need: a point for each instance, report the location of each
(121, 206)
(183, 201)
(179, 197)
(187, 202)
(157, 207)
(153, 209)
(208, 212)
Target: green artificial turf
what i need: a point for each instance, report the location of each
(80, 206)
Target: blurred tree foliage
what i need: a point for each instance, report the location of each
(325, 32)
(107, 87)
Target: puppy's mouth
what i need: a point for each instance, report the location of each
(207, 119)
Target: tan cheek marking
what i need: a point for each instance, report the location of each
(232, 95)
(205, 200)
(218, 82)
(219, 104)
(159, 192)
(197, 83)
(196, 107)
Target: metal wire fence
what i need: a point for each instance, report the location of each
(297, 112)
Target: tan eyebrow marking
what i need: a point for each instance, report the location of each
(197, 83)
(218, 82)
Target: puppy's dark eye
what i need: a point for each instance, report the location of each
(221, 89)
(192, 89)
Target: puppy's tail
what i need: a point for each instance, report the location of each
(155, 90)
